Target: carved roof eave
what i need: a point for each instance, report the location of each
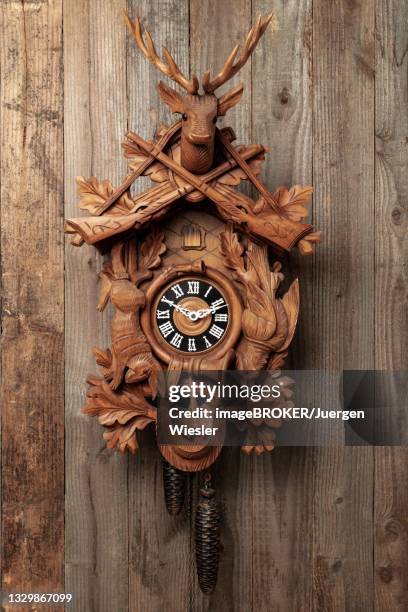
(281, 226)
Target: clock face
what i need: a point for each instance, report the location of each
(192, 315)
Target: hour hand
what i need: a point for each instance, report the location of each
(183, 311)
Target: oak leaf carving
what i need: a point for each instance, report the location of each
(236, 175)
(305, 245)
(293, 201)
(259, 433)
(93, 195)
(232, 250)
(152, 249)
(156, 170)
(122, 413)
(122, 438)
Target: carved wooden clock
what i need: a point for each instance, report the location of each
(193, 272)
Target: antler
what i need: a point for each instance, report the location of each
(229, 68)
(169, 67)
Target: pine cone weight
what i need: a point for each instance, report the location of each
(207, 539)
(174, 484)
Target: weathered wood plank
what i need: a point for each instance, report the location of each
(32, 290)
(96, 481)
(391, 304)
(161, 564)
(282, 499)
(343, 285)
(391, 532)
(213, 34)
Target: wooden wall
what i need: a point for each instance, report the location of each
(308, 529)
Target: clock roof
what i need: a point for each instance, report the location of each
(115, 213)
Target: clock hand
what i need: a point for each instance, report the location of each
(181, 309)
(214, 308)
(203, 312)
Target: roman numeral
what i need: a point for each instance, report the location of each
(191, 344)
(207, 342)
(218, 303)
(163, 314)
(216, 331)
(166, 301)
(166, 329)
(221, 317)
(176, 340)
(177, 290)
(208, 291)
(193, 287)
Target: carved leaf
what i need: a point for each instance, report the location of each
(231, 250)
(122, 205)
(93, 195)
(131, 149)
(122, 438)
(260, 433)
(236, 175)
(110, 406)
(257, 263)
(305, 245)
(290, 302)
(292, 202)
(122, 413)
(157, 171)
(152, 249)
(259, 439)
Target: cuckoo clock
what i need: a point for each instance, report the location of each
(193, 271)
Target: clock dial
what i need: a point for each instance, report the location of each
(192, 315)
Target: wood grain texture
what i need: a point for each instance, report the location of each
(391, 305)
(160, 570)
(95, 121)
(32, 291)
(282, 501)
(343, 292)
(234, 474)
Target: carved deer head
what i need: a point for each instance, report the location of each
(199, 111)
